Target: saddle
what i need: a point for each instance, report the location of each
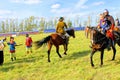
(64, 37)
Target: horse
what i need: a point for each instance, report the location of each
(56, 40)
(100, 42)
(88, 31)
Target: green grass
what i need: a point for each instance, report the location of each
(74, 66)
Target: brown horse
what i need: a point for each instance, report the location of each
(56, 40)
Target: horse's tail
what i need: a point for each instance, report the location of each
(39, 43)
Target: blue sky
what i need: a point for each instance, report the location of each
(57, 8)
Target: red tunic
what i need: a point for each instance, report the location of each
(28, 41)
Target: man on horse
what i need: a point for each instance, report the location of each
(60, 28)
(108, 27)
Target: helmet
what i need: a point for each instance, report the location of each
(106, 10)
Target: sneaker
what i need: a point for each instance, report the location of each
(15, 58)
(12, 59)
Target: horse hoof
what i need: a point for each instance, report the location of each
(65, 53)
(112, 59)
(49, 61)
(92, 65)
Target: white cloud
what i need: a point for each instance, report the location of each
(27, 1)
(55, 6)
(84, 7)
(61, 11)
(70, 11)
(5, 12)
(80, 4)
(98, 3)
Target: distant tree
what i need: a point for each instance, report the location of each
(69, 23)
(3, 27)
(42, 24)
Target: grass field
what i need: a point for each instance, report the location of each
(74, 66)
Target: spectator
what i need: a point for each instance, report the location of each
(12, 45)
(28, 44)
(1, 51)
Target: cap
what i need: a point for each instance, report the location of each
(61, 18)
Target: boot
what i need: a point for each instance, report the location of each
(66, 40)
(15, 58)
(12, 59)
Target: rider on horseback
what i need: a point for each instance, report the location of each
(61, 29)
(104, 24)
(107, 25)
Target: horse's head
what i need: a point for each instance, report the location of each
(71, 32)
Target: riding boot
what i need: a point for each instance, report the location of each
(66, 40)
(109, 44)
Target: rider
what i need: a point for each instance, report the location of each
(60, 28)
(104, 24)
(109, 31)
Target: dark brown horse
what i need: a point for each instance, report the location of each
(99, 42)
(56, 40)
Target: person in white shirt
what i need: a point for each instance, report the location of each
(1, 50)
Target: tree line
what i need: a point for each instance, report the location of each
(39, 23)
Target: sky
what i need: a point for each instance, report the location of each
(56, 8)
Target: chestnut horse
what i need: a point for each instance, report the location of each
(56, 40)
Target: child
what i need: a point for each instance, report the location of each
(12, 45)
(104, 23)
(28, 44)
(1, 51)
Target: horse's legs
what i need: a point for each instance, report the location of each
(65, 48)
(57, 50)
(91, 56)
(114, 52)
(101, 57)
(49, 49)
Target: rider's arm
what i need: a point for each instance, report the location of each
(65, 25)
(56, 28)
(112, 22)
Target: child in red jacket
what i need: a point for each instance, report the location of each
(28, 44)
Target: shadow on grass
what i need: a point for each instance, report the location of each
(79, 54)
(6, 69)
(11, 64)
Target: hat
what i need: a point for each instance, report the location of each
(106, 10)
(27, 35)
(61, 18)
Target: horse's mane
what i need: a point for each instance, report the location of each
(69, 31)
(98, 37)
